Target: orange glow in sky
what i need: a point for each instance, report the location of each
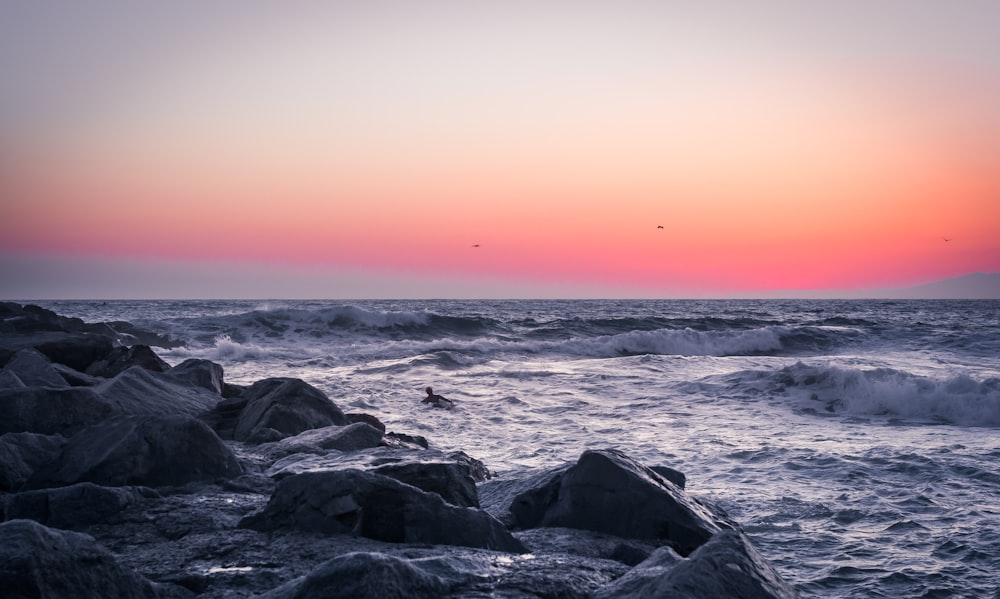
(791, 146)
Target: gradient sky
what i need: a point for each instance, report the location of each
(361, 149)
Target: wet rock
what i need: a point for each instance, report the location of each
(726, 566)
(364, 576)
(75, 506)
(606, 491)
(152, 451)
(449, 475)
(200, 373)
(140, 391)
(36, 561)
(287, 405)
(33, 369)
(22, 453)
(352, 437)
(76, 350)
(51, 411)
(120, 359)
(353, 417)
(9, 380)
(377, 507)
(404, 441)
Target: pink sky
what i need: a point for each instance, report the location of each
(321, 150)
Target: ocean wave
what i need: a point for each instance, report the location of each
(884, 392)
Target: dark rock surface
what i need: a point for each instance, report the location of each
(725, 566)
(200, 373)
(36, 561)
(22, 453)
(377, 507)
(286, 405)
(120, 359)
(51, 411)
(34, 369)
(152, 451)
(606, 491)
(141, 391)
(75, 506)
(352, 437)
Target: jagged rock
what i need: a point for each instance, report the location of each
(450, 476)
(287, 405)
(353, 417)
(140, 391)
(675, 476)
(200, 373)
(120, 359)
(151, 451)
(74, 506)
(75, 378)
(352, 437)
(33, 369)
(726, 566)
(9, 380)
(224, 416)
(51, 411)
(36, 561)
(364, 576)
(606, 491)
(377, 507)
(76, 350)
(404, 441)
(22, 453)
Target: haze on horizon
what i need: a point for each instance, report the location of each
(520, 149)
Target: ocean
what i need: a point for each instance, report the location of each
(857, 442)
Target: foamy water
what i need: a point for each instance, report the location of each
(857, 442)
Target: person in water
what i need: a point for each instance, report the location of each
(437, 401)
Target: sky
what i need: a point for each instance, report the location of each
(551, 148)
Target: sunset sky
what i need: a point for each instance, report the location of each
(364, 149)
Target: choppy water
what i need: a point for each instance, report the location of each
(858, 442)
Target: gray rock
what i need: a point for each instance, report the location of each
(287, 405)
(36, 561)
(121, 359)
(377, 507)
(449, 475)
(33, 369)
(606, 491)
(76, 350)
(141, 391)
(200, 373)
(51, 411)
(364, 576)
(22, 453)
(726, 566)
(9, 380)
(75, 506)
(352, 437)
(151, 451)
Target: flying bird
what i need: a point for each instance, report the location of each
(659, 226)
(475, 245)
(946, 239)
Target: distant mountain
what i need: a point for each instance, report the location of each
(977, 285)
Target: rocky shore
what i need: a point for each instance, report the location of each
(124, 476)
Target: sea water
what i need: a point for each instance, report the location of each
(857, 442)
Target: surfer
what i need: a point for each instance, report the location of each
(437, 401)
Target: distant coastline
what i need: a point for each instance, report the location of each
(972, 286)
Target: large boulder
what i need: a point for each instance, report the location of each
(51, 411)
(153, 451)
(606, 491)
(75, 506)
(364, 576)
(376, 507)
(288, 406)
(141, 391)
(121, 359)
(33, 369)
(36, 561)
(200, 373)
(22, 453)
(726, 566)
(452, 476)
(353, 437)
(76, 350)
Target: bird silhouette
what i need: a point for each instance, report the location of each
(946, 239)
(659, 226)
(475, 245)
